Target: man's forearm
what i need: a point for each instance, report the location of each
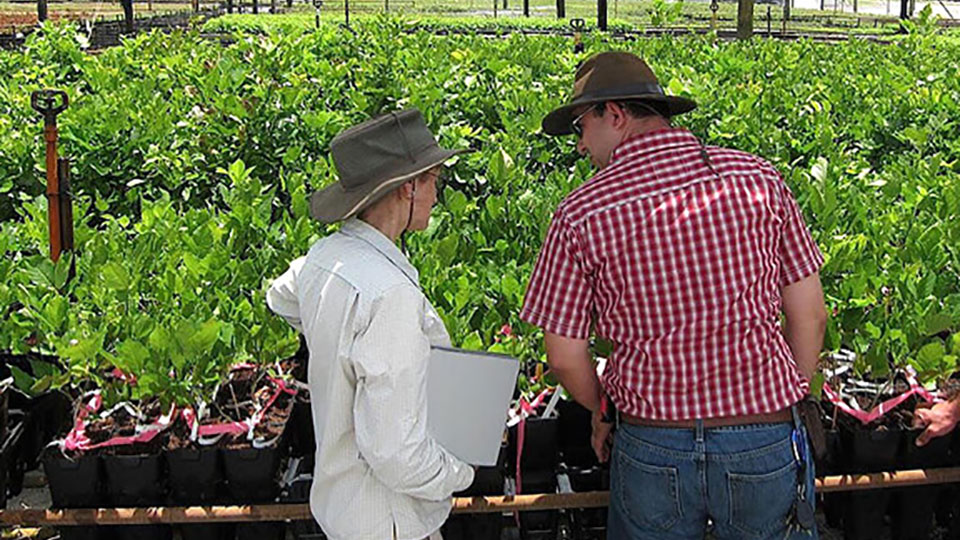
(582, 383)
(806, 341)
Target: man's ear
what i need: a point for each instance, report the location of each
(617, 113)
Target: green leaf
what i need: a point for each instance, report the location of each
(22, 380)
(200, 339)
(929, 356)
(159, 339)
(473, 342)
(816, 384)
(494, 206)
(447, 249)
(938, 322)
(511, 287)
(55, 312)
(456, 202)
(132, 355)
(85, 349)
(115, 276)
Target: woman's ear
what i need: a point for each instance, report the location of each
(406, 190)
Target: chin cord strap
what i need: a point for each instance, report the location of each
(403, 234)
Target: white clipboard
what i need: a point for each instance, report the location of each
(468, 395)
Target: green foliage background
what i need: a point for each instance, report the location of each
(193, 163)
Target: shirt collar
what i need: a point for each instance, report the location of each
(358, 228)
(652, 142)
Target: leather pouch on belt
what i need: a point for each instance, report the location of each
(809, 411)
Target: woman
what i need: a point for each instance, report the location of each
(378, 474)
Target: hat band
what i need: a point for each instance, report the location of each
(620, 91)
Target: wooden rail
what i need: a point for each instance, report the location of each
(462, 505)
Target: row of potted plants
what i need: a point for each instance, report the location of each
(139, 454)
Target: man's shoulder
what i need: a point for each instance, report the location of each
(733, 161)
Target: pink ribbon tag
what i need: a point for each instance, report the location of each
(866, 417)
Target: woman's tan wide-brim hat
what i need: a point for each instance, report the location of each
(375, 157)
(614, 76)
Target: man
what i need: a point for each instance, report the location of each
(684, 257)
(378, 474)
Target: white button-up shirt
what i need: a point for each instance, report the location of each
(379, 475)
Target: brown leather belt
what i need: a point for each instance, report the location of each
(768, 418)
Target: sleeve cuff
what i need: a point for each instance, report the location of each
(554, 327)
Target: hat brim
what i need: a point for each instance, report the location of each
(558, 121)
(334, 203)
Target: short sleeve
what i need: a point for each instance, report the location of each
(559, 297)
(799, 254)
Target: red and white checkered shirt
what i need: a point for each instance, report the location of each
(682, 270)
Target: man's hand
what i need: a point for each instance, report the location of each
(602, 437)
(939, 420)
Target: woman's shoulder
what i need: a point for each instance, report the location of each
(357, 263)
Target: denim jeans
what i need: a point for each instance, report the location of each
(668, 483)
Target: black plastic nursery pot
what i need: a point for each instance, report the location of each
(869, 451)
(300, 429)
(196, 477)
(487, 481)
(540, 523)
(589, 523)
(948, 507)
(540, 446)
(298, 491)
(261, 531)
(833, 463)
(136, 481)
(75, 483)
(3, 449)
(574, 434)
(251, 475)
(913, 515)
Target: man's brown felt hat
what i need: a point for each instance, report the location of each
(614, 76)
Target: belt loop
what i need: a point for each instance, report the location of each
(796, 417)
(699, 431)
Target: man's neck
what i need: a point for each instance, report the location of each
(647, 124)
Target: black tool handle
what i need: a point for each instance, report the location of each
(49, 103)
